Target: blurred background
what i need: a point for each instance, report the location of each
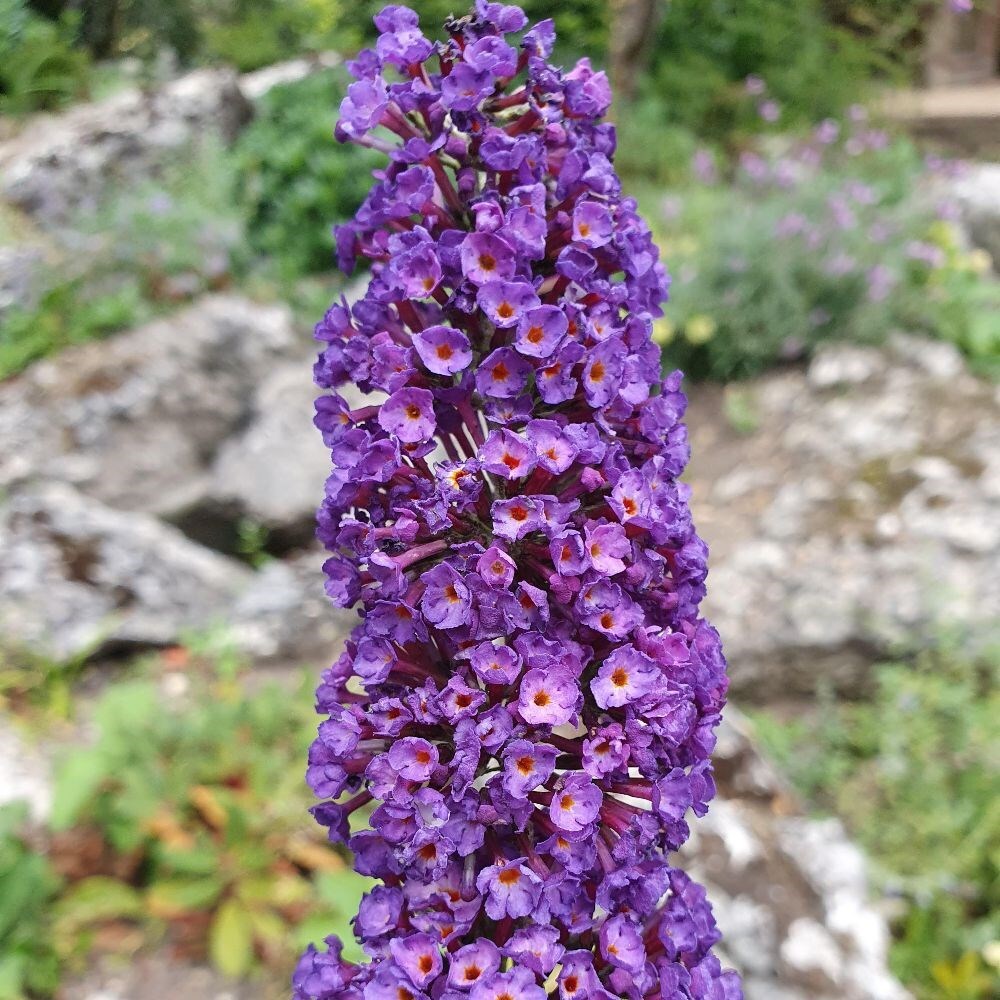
(819, 176)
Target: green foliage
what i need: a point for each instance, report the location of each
(254, 33)
(913, 773)
(295, 180)
(155, 245)
(178, 234)
(203, 800)
(251, 542)
(789, 256)
(30, 682)
(70, 312)
(705, 50)
(28, 963)
(39, 68)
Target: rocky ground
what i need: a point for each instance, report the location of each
(856, 505)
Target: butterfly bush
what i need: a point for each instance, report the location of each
(523, 717)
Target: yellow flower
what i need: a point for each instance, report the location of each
(943, 234)
(991, 952)
(664, 330)
(699, 329)
(979, 261)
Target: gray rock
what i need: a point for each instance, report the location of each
(21, 271)
(977, 191)
(25, 773)
(285, 617)
(257, 84)
(790, 893)
(59, 164)
(273, 472)
(137, 420)
(152, 976)
(862, 511)
(81, 579)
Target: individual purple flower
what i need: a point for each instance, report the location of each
(413, 758)
(624, 677)
(502, 374)
(400, 42)
(417, 271)
(363, 107)
(465, 87)
(602, 372)
(606, 548)
(472, 963)
(496, 568)
(443, 349)
(556, 381)
(511, 889)
(554, 451)
(379, 912)
(526, 765)
(537, 948)
(446, 598)
(567, 553)
(621, 943)
(408, 415)
(418, 956)
(518, 984)
(575, 803)
(487, 257)
(540, 331)
(495, 664)
(505, 302)
(547, 697)
(507, 455)
(592, 224)
(513, 519)
(606, 752)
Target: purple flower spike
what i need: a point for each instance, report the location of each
(516, 735)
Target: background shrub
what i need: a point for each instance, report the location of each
(822, 240)
(295, 180)
(39, 68)
(922, 751)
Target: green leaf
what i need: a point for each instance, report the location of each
(174, 897)
(230, 939)
(13, 973)
(25, 883)
(94, 900)
(202, 859)
(77, 781)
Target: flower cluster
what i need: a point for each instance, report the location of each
(522, 721)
